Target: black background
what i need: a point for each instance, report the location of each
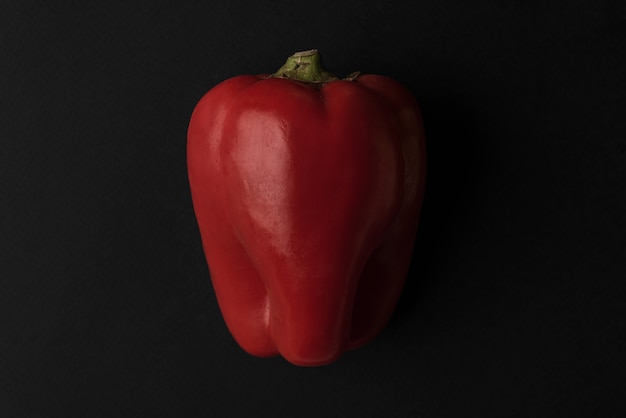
(515, 304)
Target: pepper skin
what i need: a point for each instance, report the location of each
(307, 196)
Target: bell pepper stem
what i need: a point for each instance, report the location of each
(305, 67)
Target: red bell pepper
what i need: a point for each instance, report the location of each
(307, 191)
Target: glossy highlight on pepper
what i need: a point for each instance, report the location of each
(307, 190)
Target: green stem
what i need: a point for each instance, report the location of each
(306, 67)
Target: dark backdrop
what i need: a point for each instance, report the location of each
(515, 304)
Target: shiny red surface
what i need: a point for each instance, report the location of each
(307, 201)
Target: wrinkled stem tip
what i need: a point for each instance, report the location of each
(306, 53)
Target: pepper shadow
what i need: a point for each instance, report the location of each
(456, 171)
